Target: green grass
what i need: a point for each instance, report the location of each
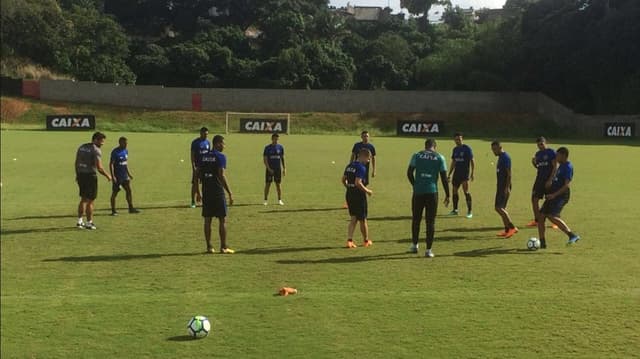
(20, 113)
(128, 289)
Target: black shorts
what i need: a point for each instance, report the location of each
(501, 199)
(275, 176)
(456, 181)
(88, 185)
(214, 205)
(357, 202)
(115, 186)
(554, 207)
(539, 189)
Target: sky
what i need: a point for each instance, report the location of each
(395, 4)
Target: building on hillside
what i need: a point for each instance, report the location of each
(365, 13)
(487, 15)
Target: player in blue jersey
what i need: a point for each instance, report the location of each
(557, 197)
(199, 146)
(214, 185)
(88, 164)
(356, 150)
(119, 169)
(424, 169)
(545, 163)
(503, 189)
(357, 192)
(462, 168)
(273, 157)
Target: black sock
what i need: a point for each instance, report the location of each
(543, 243)
(571, 234)
(455, 201)
(468, 197)
(511, 226)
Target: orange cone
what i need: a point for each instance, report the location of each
(285, 291)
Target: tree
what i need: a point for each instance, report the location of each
(34, 29)
(96, 47)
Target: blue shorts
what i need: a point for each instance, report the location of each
(214, 205)
(539, 189)
(457, 180)
(116, 184)
(357, 202)
(554, 206)
(275, 176)
(501, 199)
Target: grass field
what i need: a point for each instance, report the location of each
(128, 289)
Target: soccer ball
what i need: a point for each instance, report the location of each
(199, 327)
(533, 244)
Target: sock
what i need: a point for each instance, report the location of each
(511, 226)
(468, 198)
(571, 234)
(455, 201)
(79, 219)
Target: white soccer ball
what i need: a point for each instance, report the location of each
(199, 327)
(533, 244)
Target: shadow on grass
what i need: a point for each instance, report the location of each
(302, 210)
(9, 232)
(437, 239)
(390, 218)
(478, 229)
(485, 252)
(339, 260)
(120, 257)
(181, 338)
(284, 250)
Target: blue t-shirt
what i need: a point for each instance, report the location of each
(211, 163)
(199, 147)
(461, 158)
(502, 168)
(352, 171)
(119, 158)
(544, 163)
(565, 172)
(359, 145)
(274, 155)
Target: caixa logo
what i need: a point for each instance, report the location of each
(71, 122)
(619, 130)
(419, 128)
(259, 125)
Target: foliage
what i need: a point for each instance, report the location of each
(581, 52)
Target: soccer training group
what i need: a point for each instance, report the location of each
(552, 183)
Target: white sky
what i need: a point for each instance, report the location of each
(395, 4)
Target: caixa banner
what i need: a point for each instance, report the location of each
(263, 126)
(619, 129)
(420, 128)
(71, 122)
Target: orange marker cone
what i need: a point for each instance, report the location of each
(285, 291)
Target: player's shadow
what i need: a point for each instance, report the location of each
(302, 210)
(478, 229)
(437, 239)
(485, 252)
(355, 259)
(120, 257)
(390, 218)
(52, 216)
(181, 338)
(9, 232)
(275, 250)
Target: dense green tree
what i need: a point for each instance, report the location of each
(34, 29)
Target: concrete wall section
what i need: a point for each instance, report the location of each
(263, 100)
(117, 95)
